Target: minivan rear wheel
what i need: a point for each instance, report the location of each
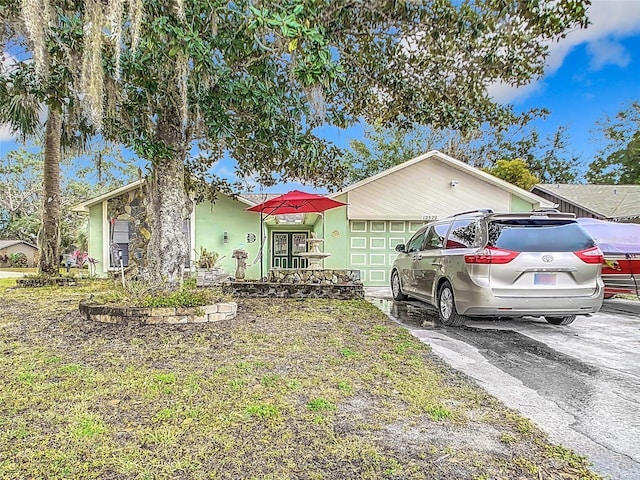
(561, 320)
(396, 288)
(447, 307)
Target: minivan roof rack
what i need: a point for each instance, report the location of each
(546, 209)
(535, 214)
(479, 210)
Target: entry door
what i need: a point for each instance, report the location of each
(286, 247)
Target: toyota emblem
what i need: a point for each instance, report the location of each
(547, 258)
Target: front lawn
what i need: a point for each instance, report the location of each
(290, 389)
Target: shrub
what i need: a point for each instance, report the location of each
(19, 260)
(207, 259)
(143, 294)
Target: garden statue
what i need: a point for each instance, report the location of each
(241, 262)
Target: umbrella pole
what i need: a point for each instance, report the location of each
(324, 234)
(261, 247)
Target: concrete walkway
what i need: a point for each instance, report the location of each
(5, 274)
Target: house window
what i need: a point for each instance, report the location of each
(120, 241)
(123, 238)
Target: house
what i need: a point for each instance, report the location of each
(620, 203)
(14, 247)
(381, 212)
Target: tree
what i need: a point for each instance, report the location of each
(553, 164)
(252, 80)
(618, 162)
(547, 159)
(515, 172)
(384, 148)
(49, 37)
(20, 194)
(21, 189)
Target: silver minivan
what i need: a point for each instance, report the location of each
(483, 264)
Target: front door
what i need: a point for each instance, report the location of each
(285, 249)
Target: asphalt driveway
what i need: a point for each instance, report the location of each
(580, 383)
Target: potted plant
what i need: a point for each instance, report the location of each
(208, 272)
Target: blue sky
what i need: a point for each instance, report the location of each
(592, 73)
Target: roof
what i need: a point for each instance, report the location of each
(459, 165)
(258, 198)
(83, 207)
(11, 243)
(608, 201)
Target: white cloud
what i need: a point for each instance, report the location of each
(611, 20)
(6, 134)
(607, 52)
(506, 93)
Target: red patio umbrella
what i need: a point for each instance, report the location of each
(296, 202)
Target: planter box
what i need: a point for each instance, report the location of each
(208, 277)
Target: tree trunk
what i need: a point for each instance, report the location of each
(49, 235)
(167, 205)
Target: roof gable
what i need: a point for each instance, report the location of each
(83, 207)
(608, 201)
(435, 155)
(11, 243)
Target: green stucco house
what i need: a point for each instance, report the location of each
(381, 212)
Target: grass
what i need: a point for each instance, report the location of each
(291, 389)
(626, 296)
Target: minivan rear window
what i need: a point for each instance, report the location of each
(538, 235)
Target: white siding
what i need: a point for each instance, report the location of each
(421, 189)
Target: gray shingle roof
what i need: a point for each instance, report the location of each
(258, 198)
(10, 243)
(610, 201)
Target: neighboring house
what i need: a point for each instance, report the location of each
(620, 203)
(9, 247)
(382, 211)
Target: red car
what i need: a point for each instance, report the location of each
(620, 243)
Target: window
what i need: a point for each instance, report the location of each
(435, 236)
(538, 236)
(415, 243)
(462, 234)
(120, 237)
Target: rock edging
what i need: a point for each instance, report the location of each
(46, 282)
(272, 290)
(97, 312)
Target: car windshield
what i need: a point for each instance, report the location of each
(538, 235)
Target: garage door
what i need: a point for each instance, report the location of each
(372, 247)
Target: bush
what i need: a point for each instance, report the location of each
(19, 260)
(144, 294)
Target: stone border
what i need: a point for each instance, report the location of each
(46, 282)
(324, 276)
(294, 290)
(155, 316)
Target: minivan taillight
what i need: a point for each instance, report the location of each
(590, 255)
(491, 255)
